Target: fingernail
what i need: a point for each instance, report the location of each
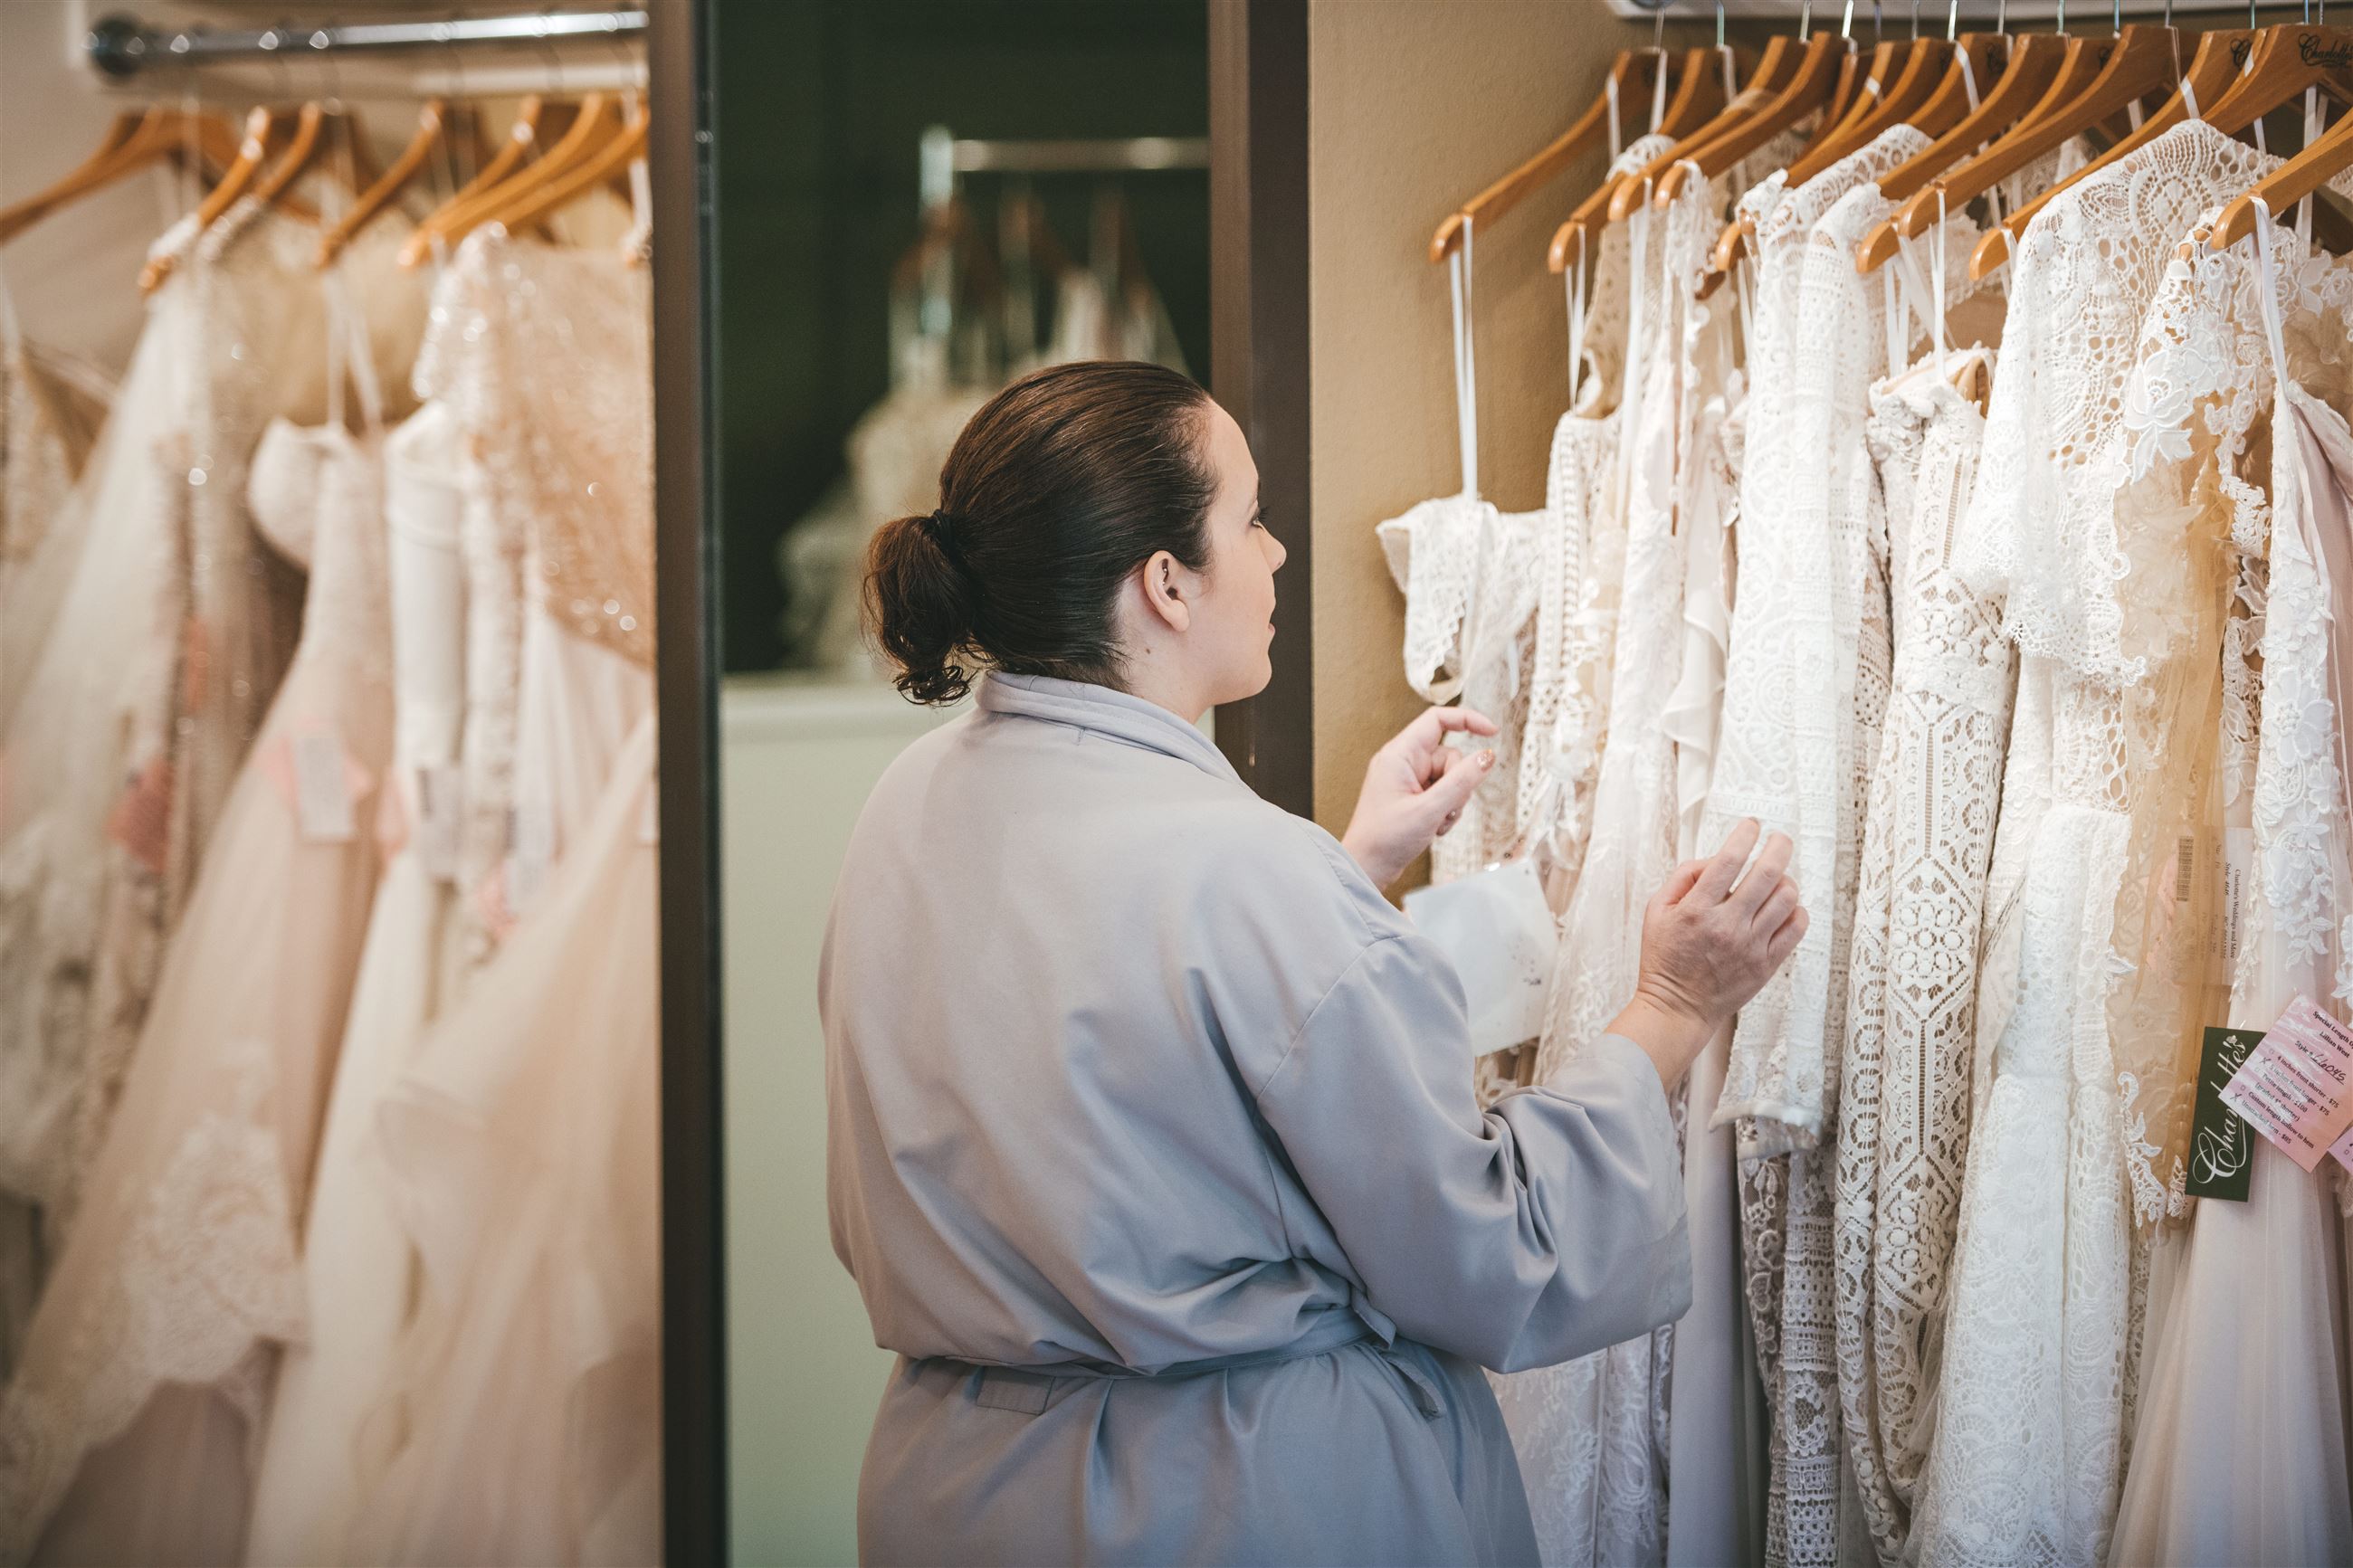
(1486, 759)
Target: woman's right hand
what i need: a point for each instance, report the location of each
(1711, 937)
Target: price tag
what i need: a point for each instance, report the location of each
(2294, 1085)
(2221, 1148)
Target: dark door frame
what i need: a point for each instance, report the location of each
(1257, 353)
(693, 1211)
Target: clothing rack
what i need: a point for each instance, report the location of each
(122, 46)
(1895, 17)
(942, 156)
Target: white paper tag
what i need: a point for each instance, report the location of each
(2230, 917)
(440, 812)
(534, 851)
(322, 788)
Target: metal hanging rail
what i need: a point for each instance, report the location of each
(123, 46)
(1112, 156)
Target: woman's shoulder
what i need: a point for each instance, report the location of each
(1247, 854)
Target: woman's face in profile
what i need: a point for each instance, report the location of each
(1235, 611)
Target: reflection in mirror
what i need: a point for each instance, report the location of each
(329, 1002)
(914, 201)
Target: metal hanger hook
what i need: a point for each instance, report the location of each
(1805, 20)
(1953, 20)
(1719, 24)
(1846, 22)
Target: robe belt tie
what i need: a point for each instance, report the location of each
(1027, 1389)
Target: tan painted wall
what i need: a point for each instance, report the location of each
(1414, 105)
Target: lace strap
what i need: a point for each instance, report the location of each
(1659, 93)
(1610, 92)
(1466, 369)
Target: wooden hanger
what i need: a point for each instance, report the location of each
(265, 128)
(2144, 61)
(1699, 101)
(1916, 80)
(433, 125)
(596, 125)
(1986, 55)
(1776, 70)
(2033, 65)
(2287, 59)
(2212, 69)
(545, 198)
(2079, 62)
(1864, 80)
(1808, 91)
(1699, 94)
(313, 124)
(2329, 156)
(133, 140)
(1634, 72)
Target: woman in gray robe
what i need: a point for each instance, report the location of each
(1152, 1140)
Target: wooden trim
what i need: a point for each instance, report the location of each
(693, 1296)
(1257, 353)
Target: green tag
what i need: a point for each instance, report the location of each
(2221, 1144)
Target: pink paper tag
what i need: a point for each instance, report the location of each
(2343, 1149)
(2294, 1087)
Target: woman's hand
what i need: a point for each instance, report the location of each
(1415, 789)
(1711, 937)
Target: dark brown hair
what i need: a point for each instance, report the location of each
(1060, 486)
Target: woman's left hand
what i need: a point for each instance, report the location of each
(1415, 789)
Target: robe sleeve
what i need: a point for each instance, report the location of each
(1545, 1228)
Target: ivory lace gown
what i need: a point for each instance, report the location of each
(1805, 684)
(2250, 1357)
(517, 1420)
(1580, 556)
(83, 715)
(357, 1264)
(125, 1435)
(2035, 1400)
(50, 411)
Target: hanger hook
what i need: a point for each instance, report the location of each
(1658, 30)
(554, 59)
(2116, 16)
(1915, 21)
(2001, 23)
(1719, 25)
(1953, 20)
(323, 42)
(1805, 20)
(1846, 22)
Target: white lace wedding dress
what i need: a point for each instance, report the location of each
(125, 1435)
(516, 1420)
(51, 408)
(357, 1268)
(1805, 687)
(2249, 1355)
(1580, 558)
(2034, 1399)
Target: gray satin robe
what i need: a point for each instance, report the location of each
(1129, 1072)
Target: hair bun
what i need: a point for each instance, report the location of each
(919, 605)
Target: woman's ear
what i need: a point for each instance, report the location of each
(1166, 585)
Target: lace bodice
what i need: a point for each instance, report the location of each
(545, 356)
(1791, 755)
(2085, 271)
